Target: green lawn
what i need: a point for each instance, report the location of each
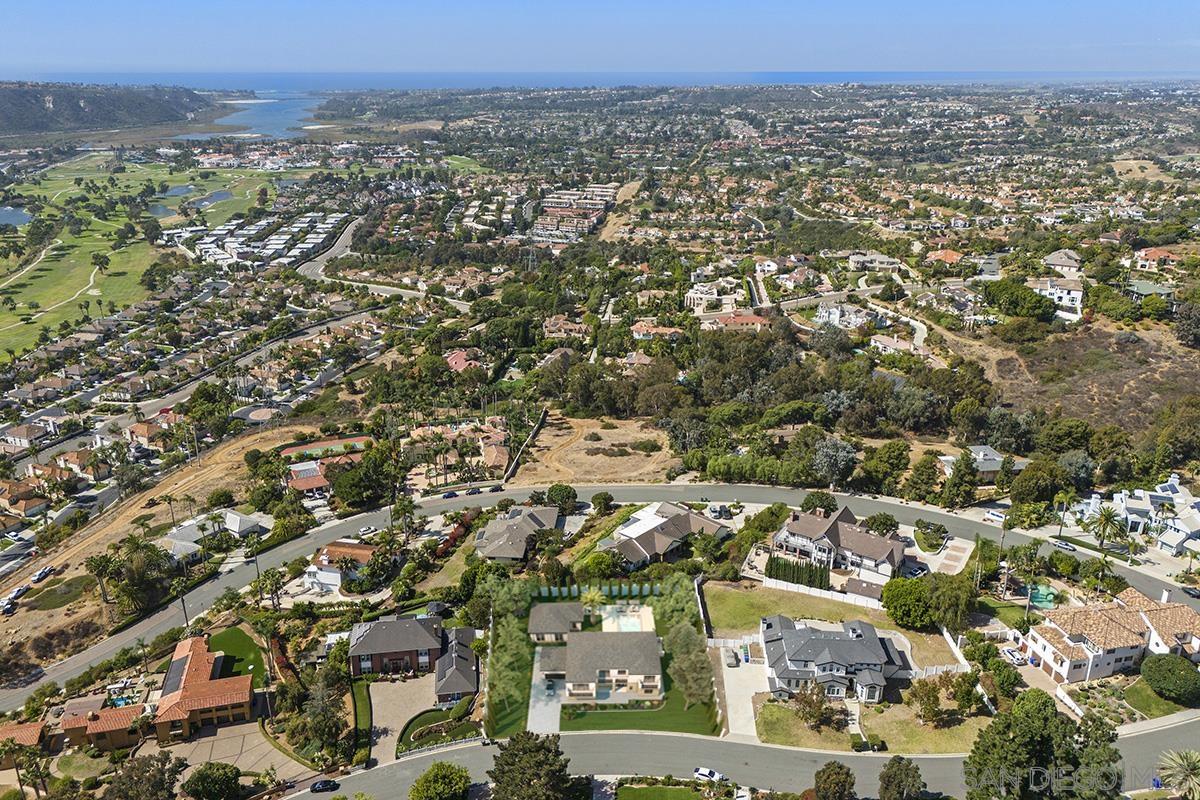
(78, 765)
(463, 730)
(465, 164)
(1011, 614)
(242, 655)
(362, 717)
(672, 716)
(900, 730)
(1140, 696)
(779, 724)
(657, 793)
(56, 593)
(734, 611)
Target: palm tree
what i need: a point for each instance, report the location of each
(11, 751)
(100, 567)
(1065, 498)
(169, 499)
(592, 600)
(1025, 562)
(36, 771)
(272, 583)
(1105, 525)
(179, 587)
(1180, 769)
(347, 565)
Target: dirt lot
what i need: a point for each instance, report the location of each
(616, 220)
(584, 451)
(223, 467)
(1140, 168)
(1089, 372)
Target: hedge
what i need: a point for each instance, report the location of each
(1172, 677)
(805, 573)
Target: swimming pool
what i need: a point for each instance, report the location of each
(629, 623)
(1042, 596)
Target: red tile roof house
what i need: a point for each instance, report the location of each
(194, 696)
(106, 728)
(460, 360)
(27, 734)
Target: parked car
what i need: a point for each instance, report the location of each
(1192, 591)
(365, 529)
(42, 574)
(549, 687)
(324, 786)
(1061, 545)
(496, 488)
(19, 592)
(724, 513)
(706, 774)
(9, 608)
(1013, 656)
(449, 495)
(474, 491)
(917, 571)
(731, 657)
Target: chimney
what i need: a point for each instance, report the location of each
(820, 512)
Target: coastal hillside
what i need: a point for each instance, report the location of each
(54, 107)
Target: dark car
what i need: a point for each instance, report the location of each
(1192, 591)
(324, 786)
(471, 492)
(496, 488)
(449, 495)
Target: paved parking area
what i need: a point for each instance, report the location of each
(394, 703)
(544, 710)
(242, 745)
(741, 684)
(951, 559)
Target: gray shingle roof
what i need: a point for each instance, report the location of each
(457, 669)
(587, 653)
(549, 618)
(393, 635)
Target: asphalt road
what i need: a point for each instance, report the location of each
(632, 753)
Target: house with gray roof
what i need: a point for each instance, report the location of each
(854, 662)
(506, 538)
(391, 644)
(554, 622)
(456, 672)
(613, 667)
(657, 532)
(988, 461)
(840, 542)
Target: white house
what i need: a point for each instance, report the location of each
(1169, 511)
(1066, 293)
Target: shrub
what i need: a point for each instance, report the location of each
(805, 573)
(1173, 678)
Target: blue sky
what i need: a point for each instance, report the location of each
(598, 35)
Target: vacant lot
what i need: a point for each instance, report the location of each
(589, 450)
(1137, 168)
(736, 609)
(1100, 373)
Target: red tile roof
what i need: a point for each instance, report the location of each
(23, 733)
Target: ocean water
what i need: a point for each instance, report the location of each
(350, 81)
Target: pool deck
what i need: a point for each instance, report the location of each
(626, 618)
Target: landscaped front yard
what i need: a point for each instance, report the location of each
(657, 793)
(735, 610)
(779, 724)
(1011, 614)
(1121, 699)
(1139, 695)
(701, 718)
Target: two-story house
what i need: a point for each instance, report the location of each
(855, 662)
(838, 541)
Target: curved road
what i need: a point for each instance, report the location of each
(634, 753)
(315, 269)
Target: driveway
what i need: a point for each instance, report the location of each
(394, 703)
(544, 710)
(951, 559)
(242, 745)
(741, 684)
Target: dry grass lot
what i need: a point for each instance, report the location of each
(224, 467)
(586, 451)
(1089, 373)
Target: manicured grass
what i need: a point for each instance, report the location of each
(241, 653)
(672, 716)
(900, 730)
(779, 724)
(1011, 614)
(78, 765)
(657, 793)
(452, 569)
(463, 730)
(58, 594)
(465, 164)
(510, 719)
(734, 611)
(1140, 696)
(361, 691)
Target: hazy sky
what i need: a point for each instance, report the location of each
(598, 35)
